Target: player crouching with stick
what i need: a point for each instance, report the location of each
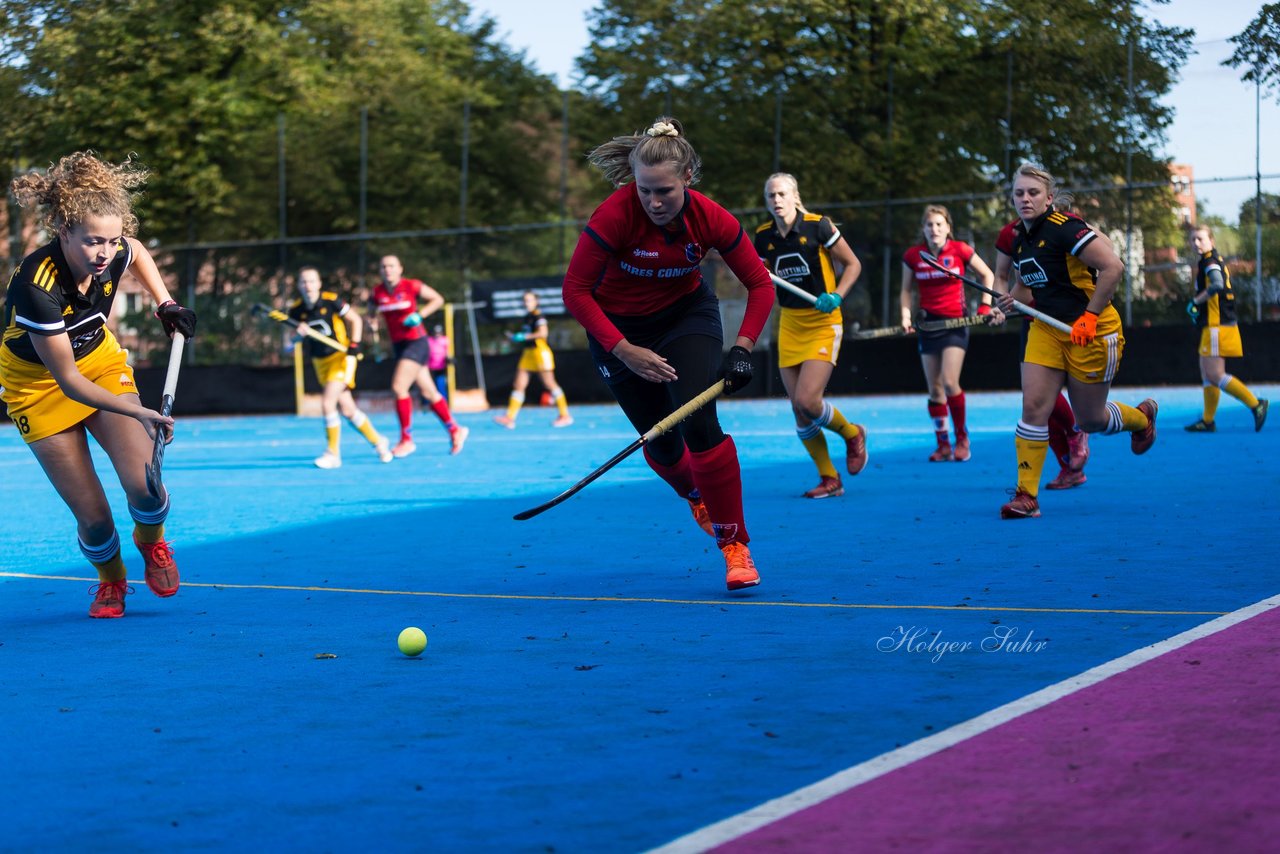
(1071, 272)
(653, 323)
(65, 376)
(331, 316)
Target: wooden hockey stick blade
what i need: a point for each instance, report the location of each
(932, 261)
(663, 426)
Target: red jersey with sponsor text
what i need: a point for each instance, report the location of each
(396, 303)
(627, 266)
(940, 294)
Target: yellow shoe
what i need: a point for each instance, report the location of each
(740, 569)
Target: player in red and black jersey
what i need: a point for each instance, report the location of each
(804, 249)
(653, 323)
(942, 351)
(395, 299)
(65, 377)
(1070, 444)
(1071, 272)
(1213, 309)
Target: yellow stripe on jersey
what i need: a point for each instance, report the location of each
(764, 226)
(46, 274)
(1057, 218)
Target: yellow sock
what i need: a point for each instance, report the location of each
(1212, 394)
(366, 429)
(839, 424)
(148, 533)
(562, 402)
(1031, 454)
(112, 570)
(513, 404)
(816, 444)
(1131, 420)
(1240, 392)
(331, 435)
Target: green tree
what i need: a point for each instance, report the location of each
(1257, 49)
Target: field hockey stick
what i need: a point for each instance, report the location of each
(881, 332)
(166, 407)
(795, 289)
(654, 432)
(280, 317)
(932, 261)
(951, 323)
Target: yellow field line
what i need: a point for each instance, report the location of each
(644, 600)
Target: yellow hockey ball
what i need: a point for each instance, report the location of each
(412, 641)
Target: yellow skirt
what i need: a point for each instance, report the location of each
(537, 358)
(808, 335)
(1096, 363)
(1222, 341)
(336, 368)
(37, 404)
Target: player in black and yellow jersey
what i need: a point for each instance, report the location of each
(535, 357)
(328, 314)
(1071, 272)
(64, 375)
(1213, 309)
(805, 249)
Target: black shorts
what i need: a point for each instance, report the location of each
(696, 314)
(936, 342)
(418, 350)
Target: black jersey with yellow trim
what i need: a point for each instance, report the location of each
(532, 321)
(325, 317)
(1046, 256)
(802, 257)
(43, 300)
(1220, 308)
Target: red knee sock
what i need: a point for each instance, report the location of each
(441, 409)
(679, 475)
(404, 411)
(1062, 423)
(956, 404)
(718, 478)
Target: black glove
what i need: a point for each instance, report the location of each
(736, 369)
(353, 348)
(175, 318)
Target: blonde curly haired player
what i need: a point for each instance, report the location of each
(64, 375)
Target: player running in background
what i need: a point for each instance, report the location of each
(942, 297)
(1070, 444)
(395, 299)
(804, 249)
(330, 315)
(536, 356)
(438, 360)
(653, 323)
(65, 377)
(1072, 272)
(1213, 309)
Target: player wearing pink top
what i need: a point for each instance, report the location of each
(653, 323)
(395, 299)
(1070, 444)
(941, 297)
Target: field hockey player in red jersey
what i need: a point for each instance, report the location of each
(65, 377)
(943, 297)
(395, 299)
(1070, 444)
(805, 249)
(1071, 272)
(653, 323)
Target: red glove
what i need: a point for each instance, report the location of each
(1085, 329)
(983, 309)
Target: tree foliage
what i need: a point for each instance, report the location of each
(1257, 49)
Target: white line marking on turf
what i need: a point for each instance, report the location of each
(779, 808)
